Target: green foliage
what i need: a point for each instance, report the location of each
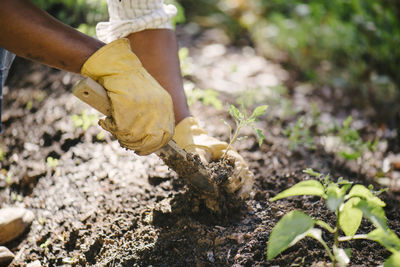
(208, 97)
(342, 43)
(2, 153)
(349, 203)
(51, 162)
(241, 120)
(84, 120)
(81, 14)
(299, 134)
(354, 145)
(6, 176)
(280, 239)
(180, 16)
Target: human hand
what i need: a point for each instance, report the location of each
(142, 112)
(189, 136)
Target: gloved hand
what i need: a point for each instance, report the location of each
(142, 111)
(189, 136)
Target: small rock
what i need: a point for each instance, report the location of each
(210, 256)
(35, 263)
(6, 256)
(13, 222)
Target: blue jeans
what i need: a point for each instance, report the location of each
(6, 59)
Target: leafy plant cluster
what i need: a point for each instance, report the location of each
(351, 145)
(345, 44)
(350, 203)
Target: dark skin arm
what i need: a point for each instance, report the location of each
(29, 32)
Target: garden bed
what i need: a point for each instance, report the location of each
(97, 204)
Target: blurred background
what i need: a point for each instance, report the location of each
(349, 46)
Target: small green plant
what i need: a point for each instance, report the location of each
(349, 203)
(354, 145)
(84, 120)
(6, 176)
(241, 120)
(2, 153)
(208, 97)
(51, 162)
(299, 134)
(185, 61)
(45, 246)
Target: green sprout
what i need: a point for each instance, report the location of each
(349, 203)
(51, 162)
(84, 120)
(299, 134)
(241, 120)
(354, 145)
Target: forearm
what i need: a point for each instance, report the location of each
(158, 51)
(31, 33)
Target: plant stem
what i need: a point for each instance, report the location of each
(233, 139)
(328, 251)
(348, 238)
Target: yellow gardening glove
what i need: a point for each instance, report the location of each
(189, 136)
(142, 112)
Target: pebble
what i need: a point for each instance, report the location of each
(35, 263)
(13, 222)
(6, 256)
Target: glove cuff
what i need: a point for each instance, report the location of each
(102, 62)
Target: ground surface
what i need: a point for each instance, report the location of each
(101, 205)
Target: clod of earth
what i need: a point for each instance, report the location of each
(221, 203)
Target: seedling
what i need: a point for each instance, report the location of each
(349, 203)
(51, 162)
(242, 119)
(299, 134)
(84, 120)
(355, 146)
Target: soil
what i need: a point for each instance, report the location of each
(102, 205)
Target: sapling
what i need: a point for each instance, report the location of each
(241, 120)
(349, 203)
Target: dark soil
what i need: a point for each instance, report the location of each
(102, 205)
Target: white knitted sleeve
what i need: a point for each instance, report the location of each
(128, 16)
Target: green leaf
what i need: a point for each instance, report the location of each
(364, 193)
(387, 239)
(350, 217)
(335, 197)
(347, 122)
(235, 113)
(374, 213)
(312, 172)
(289, 230)
(309, 187)
(258, 111)
(260, 136)
(393, 261)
